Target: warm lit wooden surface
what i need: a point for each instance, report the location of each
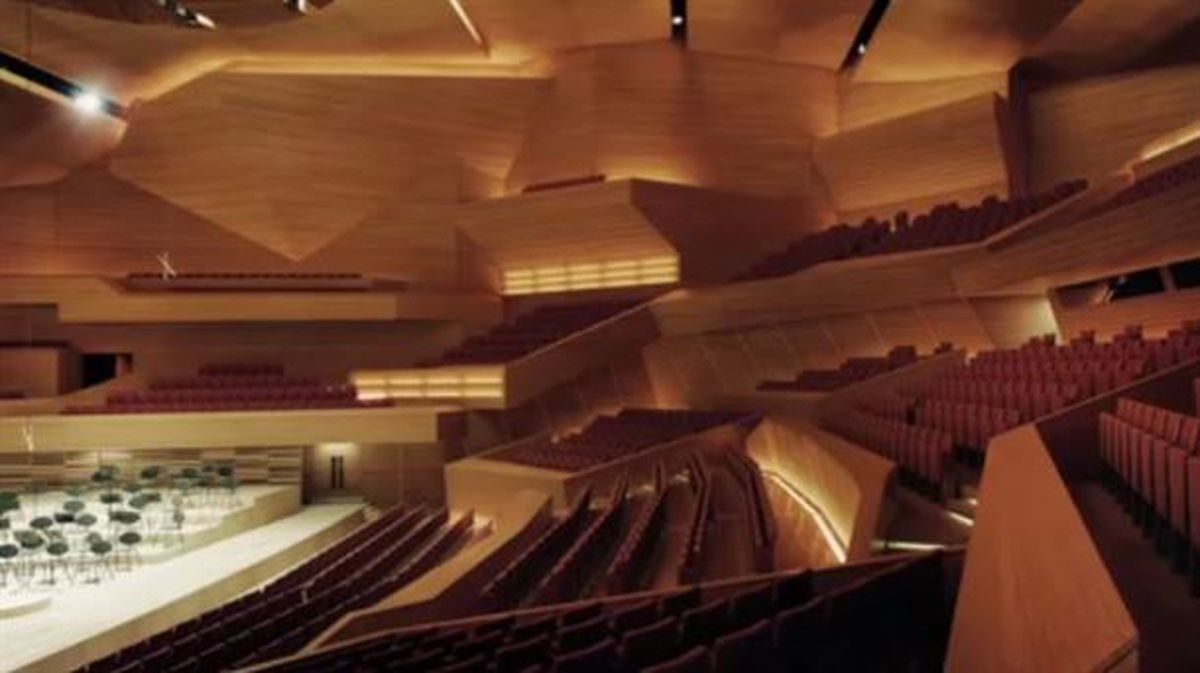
(1094, 126)
(951, 148)
(224, 429)
(1035, 595)
(92, 622)
(797, 31)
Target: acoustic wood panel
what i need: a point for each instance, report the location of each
(865, 102)
(810, 32)
(772, 355)
(321, 153)
(734, 367)
(1150, 232)
(1035, 594)
(655, 111)
(1095, 126)
(904, 325)
(957, 38)
(306, 348)
(223, 429)
(951, 148)
(1012, 321)
(1107, 34)
(517, 30)
(541, 229)
(719, 234)
(133, 61)
(1157, 314)
(846, 483)
(855, 334)
(847, 286)
(44, 139)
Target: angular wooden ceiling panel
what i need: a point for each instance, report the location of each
(941, 39)
(293, 161)
(809, 32)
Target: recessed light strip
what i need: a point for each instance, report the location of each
(831, 537)
(467, 22)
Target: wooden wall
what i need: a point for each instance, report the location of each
(811, 32)
(319, 349)
(320, 154)
(45, 139)
(39, 371)
(1095, 126)
(1147, 233)
(702, 368)
(848, 484)
(658, 112)
(1035, 594)
(865, 102)
(1157, 314)
(939, 152)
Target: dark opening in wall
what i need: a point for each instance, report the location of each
(866, 30)
(1186, 274)
(1136, 284)
(101, 367)
(679, 16)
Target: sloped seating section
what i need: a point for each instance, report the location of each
(1000, 389)
(608, 438)
(631, 556)
(1153, 184)
(693, 551)
(923, 454)
(851, 371)
(278, 620)
(231, 388)
(946, 224)
(573, 571)
(762, 532)
(247, 281)
(892, 620)
(1153, 466)
(514, 582)
(530, 332)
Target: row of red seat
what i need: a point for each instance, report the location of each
(969, 425)
(762, 519)
(851, 371)
(530, 332)
(1032, 399)
(924, 453)
(608, 438)
(945, 224)
(643, 532)
(693, 551)
(572, 572)
(284, 616)
(231, 387)
(892, 619)
(1151, 454)
(512, 584)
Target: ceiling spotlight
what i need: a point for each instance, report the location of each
(677, 20)
(201, 21)
(297, 6)
(862, 49)
(87, 102)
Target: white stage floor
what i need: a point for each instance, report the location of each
(92, 621)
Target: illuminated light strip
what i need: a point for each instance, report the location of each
(961, 518)
(903, 545)
(831, 537)
(591, 275)
(467, 22)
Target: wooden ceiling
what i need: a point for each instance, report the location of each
(809, 32)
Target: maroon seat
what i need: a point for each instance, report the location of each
(693, 661)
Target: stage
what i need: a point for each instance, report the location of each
(60, 628)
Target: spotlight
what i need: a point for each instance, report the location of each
(677, 20)
(862, 49)
(88, 102)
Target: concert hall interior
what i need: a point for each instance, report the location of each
(599, 336)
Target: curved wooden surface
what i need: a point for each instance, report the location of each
(1035, 594)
